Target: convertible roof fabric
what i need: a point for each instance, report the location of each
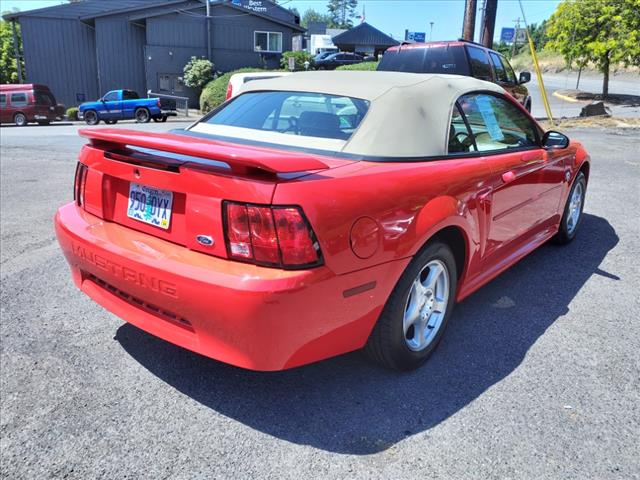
(409, 114)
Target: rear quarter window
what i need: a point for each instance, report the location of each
(3, 100)
(480, 66)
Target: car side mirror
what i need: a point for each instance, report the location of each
(553, 140)
(524, 77)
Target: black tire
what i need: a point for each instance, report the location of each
(142, 115)
(91, 117)
(43, 122)
(20, 119)
(156, 119)
(568, 226)
(528, 106)
(387, 344)
(111, 122)
(164, 118)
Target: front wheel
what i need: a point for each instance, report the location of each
(91, 117)
(414, 319)
(142, 115)
(572, 215)
(20, 119)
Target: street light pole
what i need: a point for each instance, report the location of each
(208, 20)
(431, 31)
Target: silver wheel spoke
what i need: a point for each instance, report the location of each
(434, 274)
(439, 306)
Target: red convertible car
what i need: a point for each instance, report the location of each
(317, 214)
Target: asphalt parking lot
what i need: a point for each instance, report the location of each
(538, 375)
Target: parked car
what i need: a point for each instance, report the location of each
(24, 103)
(124, 105)
(276, 231)
(335, 60)
(237, 80)
(460, 58)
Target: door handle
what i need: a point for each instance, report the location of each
(508, 177)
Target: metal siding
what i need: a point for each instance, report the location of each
(120, 51)
(177, 30)
(232, 39)
(61, 54)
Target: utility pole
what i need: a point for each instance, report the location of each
(515, 37)
(208, 20)
(489, 22)
(469, 24)
(431, 31)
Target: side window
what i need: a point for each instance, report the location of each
(496, 124)
(3, 100)
(501, 74)
(511, 76)
(460, 139)
(480, 67)
(129, 95)
(111, 97)
(18, 99)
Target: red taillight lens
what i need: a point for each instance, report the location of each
(273, 236)
(229, 91)
(159, 104)
(296, 241)
(79, 183)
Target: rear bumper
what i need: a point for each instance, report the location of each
(252, 317)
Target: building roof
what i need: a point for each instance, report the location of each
(403, 106)
(87, 10)
(364, 34)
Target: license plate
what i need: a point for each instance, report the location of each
(150, 205)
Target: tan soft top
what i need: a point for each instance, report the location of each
(409, 114)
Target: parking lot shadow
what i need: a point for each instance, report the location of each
(348, 405)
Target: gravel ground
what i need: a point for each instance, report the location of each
(537, 377)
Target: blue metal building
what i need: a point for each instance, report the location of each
(83, 49)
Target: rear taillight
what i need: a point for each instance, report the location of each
(229, 91)
(270, 235)
(158, 102)
(79, 184)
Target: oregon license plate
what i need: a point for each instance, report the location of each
(150, 205)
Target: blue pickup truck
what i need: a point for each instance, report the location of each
(124, 105)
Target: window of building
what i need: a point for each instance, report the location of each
(267, 42)
(18, 99)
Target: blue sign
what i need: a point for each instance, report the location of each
(416, 36)
(507, 34)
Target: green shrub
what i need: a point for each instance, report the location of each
(72, 113)
(368, 66)
(197, 72)
(300, 57)
(214, 93)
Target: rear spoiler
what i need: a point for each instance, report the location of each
(238, 157)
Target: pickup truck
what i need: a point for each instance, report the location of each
(123, 105)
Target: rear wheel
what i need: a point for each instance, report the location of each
(156, 119)
(414, 319)
(91, 117)
(142, 115)
(164, 118)
(572, 215)
(20, 119)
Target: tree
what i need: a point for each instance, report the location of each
(538, 34)
(8, 66)
(603, 32)
(311, 15)
(342, 12)
(198, 72)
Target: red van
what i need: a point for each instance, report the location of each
(21, 104)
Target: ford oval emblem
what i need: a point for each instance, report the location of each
(205, 240)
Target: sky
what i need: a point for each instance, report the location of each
(394, 16)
